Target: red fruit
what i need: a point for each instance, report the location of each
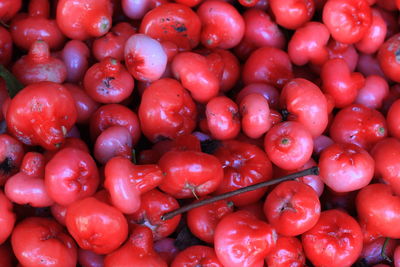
(39, 66)
(153, 205)
(8, 9)
(255, 113)
(166, 97)
(84, 19)
(359, 125)
(7, 217)
(388, 58)
(108, 82)
(166, 249)
(114, 115)
(71, 175)
(289, 145)
(340, 83)
(84, 104)
(268, 65)
(43, 242)
(288, 252)
(87, 258)
(292, 208)
(292, 14)
(375, 90)
(379, 208)
(35, 25)
(27, 186)
(223, 118)
(336, 240)
(393, 119)
(11, 154)
(42, 114)
(126, 182)
(190, 173)
(6, 46)
(137, 251)
(241, 240)
(347, 20)
(244, 164)
(222, 25)
(203, 220)
(96, 226)
(196, 256)
(174, 23)
(75, 56)
(306, 104)
(145, 58)
(375, 35)
(346, 167)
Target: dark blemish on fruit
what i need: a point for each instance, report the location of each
(6, 166)
(107, 81)
(397, 54)
(181, 28)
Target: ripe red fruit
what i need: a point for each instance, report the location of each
(292, 14)
(336, 240)
(96, 226)
(7, 217)
(241, 240)
(196, 256)
(292, 208)
(288, 252)
(42, 114)
(11, 155)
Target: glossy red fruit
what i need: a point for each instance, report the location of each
(75, 55)
(145, 58)
(268, 65)
(375, 90)
(203, 220)
(11, 155)
(113, 43)
(374, 250)
(174, 23)
(71, 175)
(7, 217)
(27, 186)
(196, 256)
(256, 120)
(340, 83)
(359, 125)
(166, 97)
(289, 145)
(378, 207)
(87, 258)
(126, 181)
(190, 174)
(269, 92)
(306, 104)
(114, 115)
(26, 28)
(292, 208)
(387, 163)
(8, 9)
(222, 25)
(393, 119)
(6, 46)
(336, 240)
(288, 252)
(241, 240)
(388, 57)
(84, 19)
(375, 35)
(347, 20)
(39, 66)
(166, 249)
(96, 226)
(292, 14)
(137, 251)
(153, 205)
(84, 104)
(346, 167)
(42, 114)
(223, 119)
(43, 242)
(244, 164)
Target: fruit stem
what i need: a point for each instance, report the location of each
(171, 214)
(383, 254)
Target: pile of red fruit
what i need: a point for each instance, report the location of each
(116, 114)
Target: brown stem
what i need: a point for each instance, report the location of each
(171, 214)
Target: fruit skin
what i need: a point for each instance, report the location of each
(291, 14)
(196, 256)
(81, 20)
(174, 23)
(11, 155)
(288, 252)
(96, 226)
(347, 20)
(166, 97)
(241, 240)
(42, 114)
(388, 59)
(346, 167)
(336, 240)
(43, 242)
(378, 207)
(6, 46)
(137, 251)
(190, 173)
(7, 217)
(292, 208)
